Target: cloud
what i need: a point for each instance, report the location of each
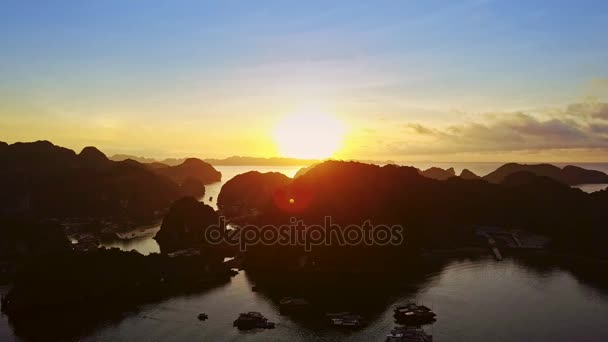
(599, 128)
(578, 126)
(417, 128)
(602, 113)
(588, 110)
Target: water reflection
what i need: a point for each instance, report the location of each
(6, 332)
(476, 299)
(589, 188)
(144, 244)
(77, 323)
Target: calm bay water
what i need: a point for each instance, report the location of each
(6, 333)
(589, 188)
(479, 299)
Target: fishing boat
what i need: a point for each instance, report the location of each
(252, 320)
(413, 314)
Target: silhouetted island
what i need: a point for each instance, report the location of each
(272, 161)
(23, 238)
(185, 224)
(439, 173)
(230, 161)
(248, 193)
(435, 213)
(145, 160)
(47, 181)
(570, 175)
(468, 174)
(192, 187)
(44, 180)
(191, 168)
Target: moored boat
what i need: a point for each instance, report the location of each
(252, 320)
(413, 314)
(346, 319)
(408, 334)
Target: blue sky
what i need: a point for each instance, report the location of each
(102, 67)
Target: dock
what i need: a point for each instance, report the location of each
(513, 239)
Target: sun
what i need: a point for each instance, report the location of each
(308, 135)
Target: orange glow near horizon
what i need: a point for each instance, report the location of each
(308, 135)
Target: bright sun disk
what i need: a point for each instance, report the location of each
(308, 135)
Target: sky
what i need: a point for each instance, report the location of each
(473, 80)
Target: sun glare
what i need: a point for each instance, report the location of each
(308, 135)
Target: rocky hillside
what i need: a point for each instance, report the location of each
(46, 180)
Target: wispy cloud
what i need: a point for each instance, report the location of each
(579, 126)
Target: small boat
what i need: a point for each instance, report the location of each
(346, 319)
(294, 304)
(413, 314)
(408, 334)
(252, 320)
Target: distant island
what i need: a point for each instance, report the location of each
(236, 161)
(230, 161)
(570, 175)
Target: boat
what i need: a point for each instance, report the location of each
(413, 314)
(294, 304)
(346, 319)
(252, 320)
(408, 334)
